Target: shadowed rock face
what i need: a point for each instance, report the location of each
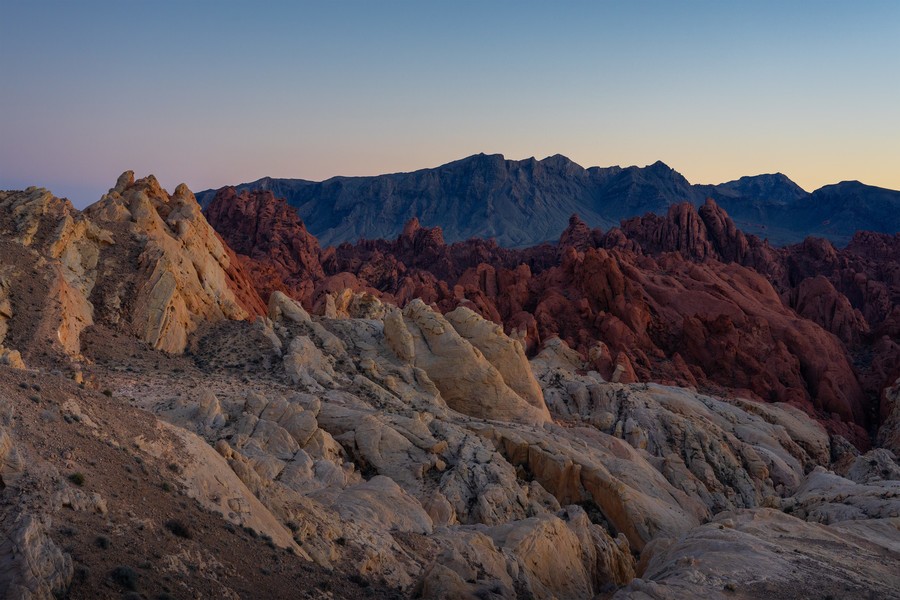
(685, 299)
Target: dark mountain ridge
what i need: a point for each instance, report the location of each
(525, 202)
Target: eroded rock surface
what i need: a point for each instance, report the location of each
(416, 451)
(764, 553)
(565, 507)
(140, 259)
(684, 298)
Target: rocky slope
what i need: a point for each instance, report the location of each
(164, 434)
(526, 202)
(337, 426)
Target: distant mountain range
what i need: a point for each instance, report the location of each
(525, 202)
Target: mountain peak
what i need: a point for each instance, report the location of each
(557, 159)
(776, 187)
(577, 235)
(125, 180)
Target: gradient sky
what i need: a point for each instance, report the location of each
(212, 93)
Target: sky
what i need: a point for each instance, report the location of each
(216, 93)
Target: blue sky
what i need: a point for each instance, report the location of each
(212, 93)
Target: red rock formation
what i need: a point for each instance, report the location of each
(684, 299)
(283, 254)
(816, 299)
(865, 277)
(578, 235)
(682, 230)
(853, 293)
(244, 283)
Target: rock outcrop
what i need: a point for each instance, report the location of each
(725, 558)
(495, 503)
(139, 259)
(278, 250)
(470, 362)
(186, 275)
(31, 564)
(504, 353)
(889, 432)
(684, 299)
(49, 305)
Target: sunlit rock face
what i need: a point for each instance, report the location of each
(185, 274)
(140, 259)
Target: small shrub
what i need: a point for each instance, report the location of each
(102, 542)
(81, 574)
(178, 529)
(166, 486)
(107, 393)
(126, 577)
(77, 478)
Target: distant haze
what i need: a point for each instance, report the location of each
(211, 93)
